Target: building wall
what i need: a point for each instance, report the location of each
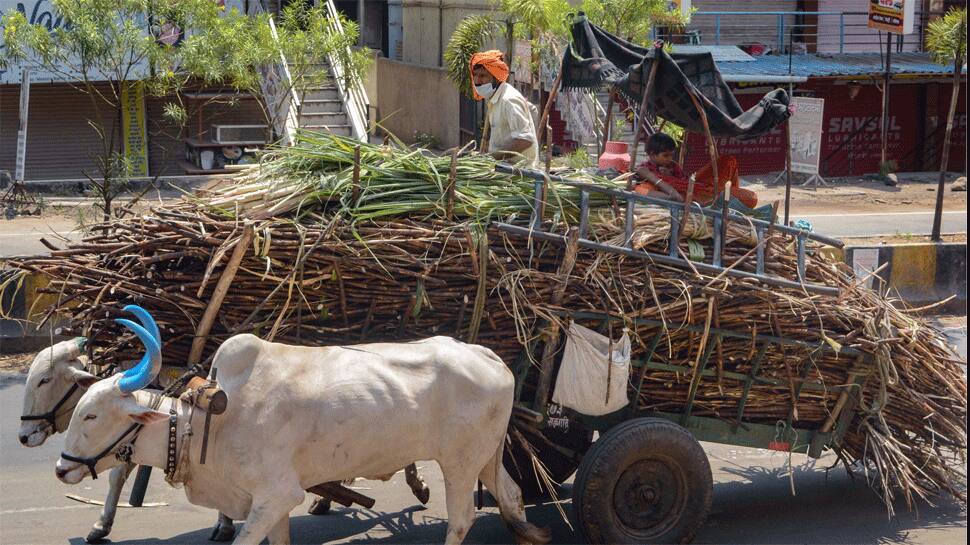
(416, 99)
(423, 43)
(741, 29)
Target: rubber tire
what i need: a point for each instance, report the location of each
(617, 450)
(560, 467)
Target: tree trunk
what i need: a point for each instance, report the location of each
(945, 159)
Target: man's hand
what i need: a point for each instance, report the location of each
(512, 148)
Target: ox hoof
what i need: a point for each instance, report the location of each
(223, 533)
(423, 495)
(320, 507)
(97, 535)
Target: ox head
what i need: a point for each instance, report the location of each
(56, 380)
(105, 417)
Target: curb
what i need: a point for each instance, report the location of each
(920, 273)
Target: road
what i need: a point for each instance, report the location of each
(884, 223)
(753, 502)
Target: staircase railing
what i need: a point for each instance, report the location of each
(349, 85)
(279, 91)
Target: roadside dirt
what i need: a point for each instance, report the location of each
(17, 363)
(915, 191)
(901, 239)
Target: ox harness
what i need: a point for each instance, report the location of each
(124, 453)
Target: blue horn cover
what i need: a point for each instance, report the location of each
(142, 374)
(146, 321)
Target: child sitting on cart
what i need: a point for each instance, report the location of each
(661, 176)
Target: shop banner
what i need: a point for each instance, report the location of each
(895, 16)
(134, 128)
(806, 134)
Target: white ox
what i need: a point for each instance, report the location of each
(300, 416)
(55, 382)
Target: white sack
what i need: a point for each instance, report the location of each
(582, 381)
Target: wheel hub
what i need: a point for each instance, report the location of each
(650, 496)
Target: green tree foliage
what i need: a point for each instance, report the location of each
(470, 35)
(946, 37)
(631, 19)
(169, 45)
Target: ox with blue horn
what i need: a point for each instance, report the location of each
(434, 399)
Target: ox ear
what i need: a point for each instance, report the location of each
(80, 377)
(144, 415)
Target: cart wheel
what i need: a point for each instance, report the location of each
(645, 481)
(561, 467)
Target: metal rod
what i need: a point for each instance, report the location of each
(628, 230)
(672, 205)
(718, 242)
(137, 497)
(760, 267)
(724, 214)
(801, 257)
(788, 162)
(583, 213)
(666, 260)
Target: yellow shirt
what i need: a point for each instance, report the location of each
(510, 117)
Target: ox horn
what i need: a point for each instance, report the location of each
(147, 369)
(147, 321)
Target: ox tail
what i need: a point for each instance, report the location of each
(509, 498)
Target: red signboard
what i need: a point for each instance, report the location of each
(851, 132)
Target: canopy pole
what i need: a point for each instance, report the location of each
(642, 114)
(788, 162)
(608, 127)
(711, 147)
(549, 100)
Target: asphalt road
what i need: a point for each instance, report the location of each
(884, 223)
(753, 502)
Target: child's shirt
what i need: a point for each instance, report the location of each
(658, 171)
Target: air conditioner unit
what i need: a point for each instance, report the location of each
(240, 134)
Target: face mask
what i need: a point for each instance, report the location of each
(485, 90)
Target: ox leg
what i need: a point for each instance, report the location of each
(509, 497)
(459, 484)
(270, 509)
(279, 534)
(116, 481)
(418, 487)
(223, 530)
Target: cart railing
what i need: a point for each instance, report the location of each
(673, 256)
(730, 428)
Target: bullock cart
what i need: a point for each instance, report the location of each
(742, 331)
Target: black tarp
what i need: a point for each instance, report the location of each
(596, 58)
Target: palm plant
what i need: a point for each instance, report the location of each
(947, 41)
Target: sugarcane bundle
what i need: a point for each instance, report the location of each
(348, 244)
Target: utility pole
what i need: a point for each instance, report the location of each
(885, 100)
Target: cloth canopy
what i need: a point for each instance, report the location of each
(596, 58)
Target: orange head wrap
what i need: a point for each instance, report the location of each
(491, 61)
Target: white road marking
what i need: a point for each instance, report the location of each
(40, 509)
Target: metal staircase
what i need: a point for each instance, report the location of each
(339, 104)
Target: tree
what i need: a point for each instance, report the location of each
(107, 48)
(947, 40)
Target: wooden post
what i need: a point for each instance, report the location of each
(724, 217)
(450, 191)
(548, 154)
(688, 198)
(711, 148)
(552, 333)
(885, 100)
(222, 287)
(642, 114)
(608, 129)
(553, 93)
(788, 164)
(945, 159)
